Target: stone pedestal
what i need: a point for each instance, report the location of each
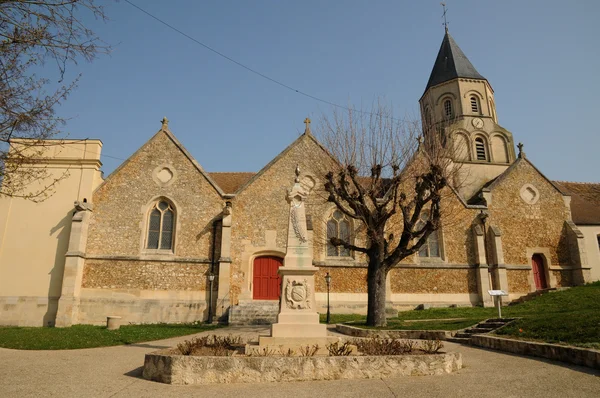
(298, 321)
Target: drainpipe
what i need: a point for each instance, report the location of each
(483, 215)
(211, 275)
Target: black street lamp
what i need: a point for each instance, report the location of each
(211, 278)
(328, 281)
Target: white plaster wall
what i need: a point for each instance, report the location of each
(34, 236)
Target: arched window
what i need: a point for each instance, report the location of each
(428, 116)
(480, 149)
(431, 248)
(474, 104)
(448, 108)
(338, 226)
(161, 223)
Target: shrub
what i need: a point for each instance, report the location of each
(339, 350)
(210, 345)
(309, 351)
(378, 346)
(431, 346)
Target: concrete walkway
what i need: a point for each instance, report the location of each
(116, 372)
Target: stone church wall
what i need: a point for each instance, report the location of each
(529, 226)
(260, 211)
(122, 277)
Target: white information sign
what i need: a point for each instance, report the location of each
(498, 294)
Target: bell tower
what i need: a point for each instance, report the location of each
(458, 104)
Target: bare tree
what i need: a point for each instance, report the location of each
(390, 181)
(34, 34)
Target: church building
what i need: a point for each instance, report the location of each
(162, 240)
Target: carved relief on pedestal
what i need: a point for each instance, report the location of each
(297, 294)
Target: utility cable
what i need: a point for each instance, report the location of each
(251, 69)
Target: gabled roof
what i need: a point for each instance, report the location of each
(451, 63)
(231, 181)
(165, 130)
(306, 135)
(585, 201)
(490, 185)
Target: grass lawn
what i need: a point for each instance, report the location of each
(570, 316)
(88, 336)
(399, 324)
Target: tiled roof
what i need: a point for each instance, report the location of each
(231, 182)
(585, 201)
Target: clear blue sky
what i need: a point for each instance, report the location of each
(541, 57)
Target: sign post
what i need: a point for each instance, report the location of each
(497, 294)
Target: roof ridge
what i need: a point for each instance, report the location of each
(577, 182)
(222, 172)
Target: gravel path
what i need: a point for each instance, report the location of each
(116, 372)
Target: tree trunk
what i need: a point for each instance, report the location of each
(376, 276)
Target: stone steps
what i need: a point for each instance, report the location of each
(489, 325)
(460, 340)
(255, 312)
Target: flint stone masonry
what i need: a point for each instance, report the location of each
(519, 281)
(261, 208)
(422, 280)
(393, 334)
(164, 367)
(343, 279)
(573, 355)
(114, 274)
(531, 226)
(121, 203)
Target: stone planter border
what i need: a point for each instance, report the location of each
(167, 368)
(395, 334)
(574, 355)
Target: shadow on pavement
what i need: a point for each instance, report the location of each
(136, 373)
(578, 368)
(142, 345)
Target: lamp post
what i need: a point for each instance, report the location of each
(211, 278)
(328, 281)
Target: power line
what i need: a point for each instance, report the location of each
(279, 83)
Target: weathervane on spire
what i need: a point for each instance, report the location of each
(444, 15)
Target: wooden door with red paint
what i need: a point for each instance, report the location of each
(539, 274)
(266, 283)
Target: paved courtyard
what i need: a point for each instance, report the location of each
(116, 372)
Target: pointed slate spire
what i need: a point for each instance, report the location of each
(451, 63)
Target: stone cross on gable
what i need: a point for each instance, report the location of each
(307, 122)
(165, 122)
(521, 153)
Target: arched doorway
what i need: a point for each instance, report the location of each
(266, 283)
(539, 273)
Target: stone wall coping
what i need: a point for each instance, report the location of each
(400, 266)
(149, 259)
(574, 355)
(397, 334)
(75, 254)
(165, 367)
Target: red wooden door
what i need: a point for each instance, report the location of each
(539, 275)
(266, 282)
